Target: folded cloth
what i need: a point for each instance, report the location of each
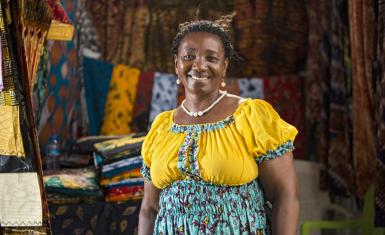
(126, 182)
(74, 192)
(134, 173)
(118, 171)
(76, 179)
(122, 163)
(125, 193)
(111, 147)
(133, 190)
(121, 198)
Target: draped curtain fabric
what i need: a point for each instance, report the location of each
(362, 20)
(328, 95)
(340, 164)
(379, 106)
(316, 84)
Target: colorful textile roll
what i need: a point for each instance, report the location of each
(11, 140)
(119, 108)
(251, 88)
(97, 77)
(164, 94)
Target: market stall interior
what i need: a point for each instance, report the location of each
(81, 82)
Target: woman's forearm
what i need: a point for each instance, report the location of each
(285, 215)
(147, 218)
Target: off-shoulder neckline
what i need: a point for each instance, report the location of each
(206, 125)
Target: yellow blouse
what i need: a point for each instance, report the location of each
(222, 153)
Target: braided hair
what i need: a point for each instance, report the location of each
(219, 27)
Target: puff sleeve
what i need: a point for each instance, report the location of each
(265, 133)
(150, 141)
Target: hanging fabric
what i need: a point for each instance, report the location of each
(143, 102)
(164, 94)
(11, 142)
(251, 88)
(32, 20)
(118, 111)
(97, 76)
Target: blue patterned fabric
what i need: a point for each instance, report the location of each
(97, 77)
(164, 94)
(195, 207)
(251, 88)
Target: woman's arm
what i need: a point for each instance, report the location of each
(149, 209)
(280, 184)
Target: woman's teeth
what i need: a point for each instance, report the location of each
(199, 78)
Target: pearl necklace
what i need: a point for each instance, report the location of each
(203, 112)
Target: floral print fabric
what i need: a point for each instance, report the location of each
(196, 207)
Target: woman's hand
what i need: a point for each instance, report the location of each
(149, 209)
(280, 184)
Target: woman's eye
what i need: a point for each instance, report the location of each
(212, 59)
(188, 57)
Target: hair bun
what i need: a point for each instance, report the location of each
(225, 21)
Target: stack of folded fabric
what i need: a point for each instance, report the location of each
(119, 161)
(72, 186)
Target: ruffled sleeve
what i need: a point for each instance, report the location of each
(265, 133)
(152, 137)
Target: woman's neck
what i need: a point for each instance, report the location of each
(199, 102)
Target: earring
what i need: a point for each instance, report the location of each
(223, 84)
(178, 81)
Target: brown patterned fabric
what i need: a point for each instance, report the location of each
(328, 88)
(362, 19)
(139, 33)
(271, 36)
(121, 27)
(315, 85)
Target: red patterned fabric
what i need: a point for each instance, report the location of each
(143, 102)
(58, 11)
(284, 93)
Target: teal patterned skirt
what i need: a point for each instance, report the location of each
(196, 207)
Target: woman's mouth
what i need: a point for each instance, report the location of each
(200, 78)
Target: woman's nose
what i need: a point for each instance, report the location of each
(200, 64)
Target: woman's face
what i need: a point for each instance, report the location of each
(201, 64)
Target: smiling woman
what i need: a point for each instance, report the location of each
(213, 163)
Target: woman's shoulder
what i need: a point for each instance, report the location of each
(162, 119)
(254, 109)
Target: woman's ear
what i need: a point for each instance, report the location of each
(225, 67)
(176, 64)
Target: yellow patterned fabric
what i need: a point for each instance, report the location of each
(223, 153)
(11, 142)
(118, 111)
